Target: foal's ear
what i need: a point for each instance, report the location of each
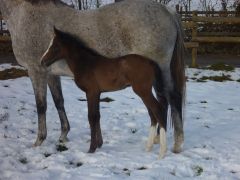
(56, 31)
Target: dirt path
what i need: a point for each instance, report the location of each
(207, 59)
(8, 59)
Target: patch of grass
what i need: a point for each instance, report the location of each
(61, 147)
(106, 99)
(142, 168)
(199, 80)
(4, 117)
(208, 158)
(78, 164)
(198, 170)
(47, 154)
(221, 78)
(23, 160)
(221, 67)
(127, 171)
(133, 130)
(12, 73)
(206, 126)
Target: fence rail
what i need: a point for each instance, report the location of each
(201, 28)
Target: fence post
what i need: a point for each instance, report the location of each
(194, 34)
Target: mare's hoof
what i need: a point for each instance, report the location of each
(63, 139)
(100, 143)
(177, 150)
(38, 142)
(92, 150)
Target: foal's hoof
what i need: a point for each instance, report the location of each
(161, 156)
(157, 139)
(149, 148)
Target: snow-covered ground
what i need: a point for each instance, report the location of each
(212, 135)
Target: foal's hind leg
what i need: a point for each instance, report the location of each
(152, 131)
(164, 103)
(161, 97)
(39, 82)
(155, 107)
(54, 84)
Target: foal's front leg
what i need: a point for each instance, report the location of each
(93, 99)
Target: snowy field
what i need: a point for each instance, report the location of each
(212, 135)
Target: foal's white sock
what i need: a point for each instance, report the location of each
(163, 143)
(152, 134)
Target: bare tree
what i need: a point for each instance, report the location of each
(236, 5)
(224, 4)
(98, 3)
(163, 1)
(208, 5)
(186, 4)
(86, 4)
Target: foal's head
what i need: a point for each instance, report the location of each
(56, 49)
(68, 47)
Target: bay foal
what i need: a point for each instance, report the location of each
(94, 74)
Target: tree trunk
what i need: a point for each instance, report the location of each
(79, 4)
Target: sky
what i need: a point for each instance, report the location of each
(195, 4)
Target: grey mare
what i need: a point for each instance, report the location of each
(139, 27)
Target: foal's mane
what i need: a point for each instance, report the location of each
(76, 41)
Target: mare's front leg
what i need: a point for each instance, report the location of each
(93, 100)
(54, 84)
(39, 83)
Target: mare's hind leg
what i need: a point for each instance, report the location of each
(39, 83)
(54, 84)
(176, 111)
(175, 100)
(93, 100)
